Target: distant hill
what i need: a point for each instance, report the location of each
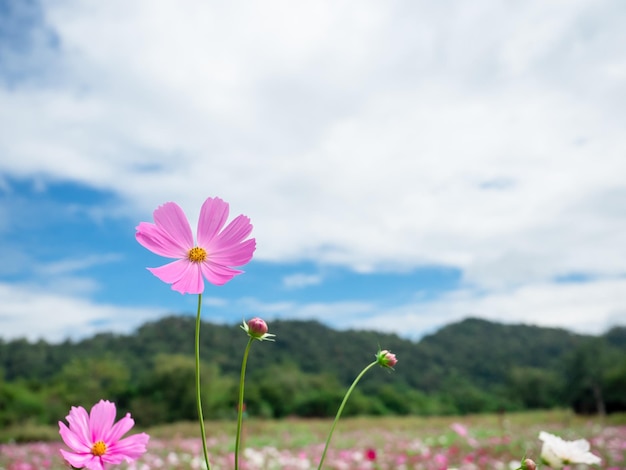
(470, 366)
(485, 352)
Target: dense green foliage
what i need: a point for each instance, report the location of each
(468, 367)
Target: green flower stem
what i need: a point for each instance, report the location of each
(240, 405)
(198, 395)
(343, 403)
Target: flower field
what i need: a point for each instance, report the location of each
(478, 442)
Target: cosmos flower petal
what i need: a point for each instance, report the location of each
(234, 233)
(101, 419)
(73, 440)
(581, 445)
(213, 215)
(127, 449)
(170, 218)
(171, 272)
(78, 419)
(119, 429)
(184, 276)
(160, 242)
(218, 274)
(81, 460)
(235, 256)
(96, 463)
(191, 282)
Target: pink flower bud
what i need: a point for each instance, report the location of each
(529, 465)
(386, 359)
(256, 328)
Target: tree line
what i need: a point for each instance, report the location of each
(468, 367)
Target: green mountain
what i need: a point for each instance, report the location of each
(470, 366)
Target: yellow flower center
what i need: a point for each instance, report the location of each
(197, 254)
(99, 448)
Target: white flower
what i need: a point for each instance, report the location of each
(557, 453)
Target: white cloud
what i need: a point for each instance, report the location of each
(299, 280)
(214, 301)
(376, 161)
(588, 308)
(56, 316)
(68, 266)
(337, 314)
(378, 136)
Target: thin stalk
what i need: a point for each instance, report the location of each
(198, 395)
(240, 406)
(343, 404)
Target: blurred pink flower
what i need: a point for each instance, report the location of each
(459, 429)
(215, 254)
(96, 441)
(441, 461)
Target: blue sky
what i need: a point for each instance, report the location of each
(404, 165)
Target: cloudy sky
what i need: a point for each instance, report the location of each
(405, 164)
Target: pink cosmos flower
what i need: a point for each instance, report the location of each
(441, 461)
(215, 253)
(96, 441)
